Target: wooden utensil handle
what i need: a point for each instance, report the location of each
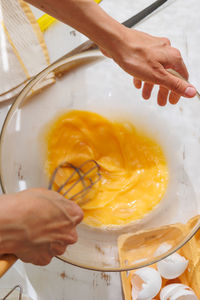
(6, 261)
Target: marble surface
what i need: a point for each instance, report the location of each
(178, 20)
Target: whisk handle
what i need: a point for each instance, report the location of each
(6, 262)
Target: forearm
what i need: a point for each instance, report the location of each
(141, 55)
(87, 17)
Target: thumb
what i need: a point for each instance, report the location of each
(179, 85)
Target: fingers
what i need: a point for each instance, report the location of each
(166, 41)
(175, 62)
(72, 212)
(57, 248)
(71, 237)
(147, 59)
(147, 89)
(162, 96)
(43, 260)
(49, 230)
(173, 98)
(41, 255)
(163, 93)
(178, 86)
(180, 67)
(75, 212)
(137, 83)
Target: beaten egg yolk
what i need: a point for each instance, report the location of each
(134, 173)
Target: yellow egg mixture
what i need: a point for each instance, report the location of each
(133, 167)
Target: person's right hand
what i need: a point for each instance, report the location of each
(37, 224)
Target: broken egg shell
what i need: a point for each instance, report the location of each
(172, 266)
(177, 292)
(146, 283)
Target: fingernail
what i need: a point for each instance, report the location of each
(190, 92)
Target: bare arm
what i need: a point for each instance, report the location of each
(143, 56)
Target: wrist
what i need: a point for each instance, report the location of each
(99, 27)
(10, 228)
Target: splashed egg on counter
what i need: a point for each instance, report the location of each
(177, 292)
(134, 171)
(146, 284)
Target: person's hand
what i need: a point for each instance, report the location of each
(143, 56)
(37, 224)
(147, 59)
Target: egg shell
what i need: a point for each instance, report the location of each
(151, 285)
(163, 248)
(170, 289)
(184, 295)
(172, 266)
(177, 292)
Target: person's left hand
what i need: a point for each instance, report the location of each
(147, 58)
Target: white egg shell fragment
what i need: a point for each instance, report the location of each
(146, 284)
(177, 291)
(172, 266)
(163, 248)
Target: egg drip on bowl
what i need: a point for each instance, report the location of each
(134, 171)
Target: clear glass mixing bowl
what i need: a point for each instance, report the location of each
(89, 81)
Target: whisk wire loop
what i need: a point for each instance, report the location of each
(12, 290)
(87, 178)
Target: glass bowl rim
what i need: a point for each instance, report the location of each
(64, 60)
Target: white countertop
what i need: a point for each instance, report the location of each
(178, 20)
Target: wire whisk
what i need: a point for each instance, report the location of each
(75, 182)
(12, 291)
